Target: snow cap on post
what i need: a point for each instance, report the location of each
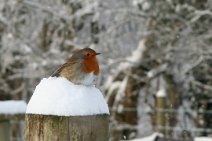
(58, 96)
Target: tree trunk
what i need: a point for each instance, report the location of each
(62, 128)
(160, 115)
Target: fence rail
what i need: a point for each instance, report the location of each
(11, 127)
(12, 113)
(17, 117)
(7, 120)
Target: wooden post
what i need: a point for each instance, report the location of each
(63, 128)
(5, 130)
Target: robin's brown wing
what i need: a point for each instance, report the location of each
(57, 72)
(69, 62)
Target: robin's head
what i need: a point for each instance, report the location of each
(88, 58)
(86, 53)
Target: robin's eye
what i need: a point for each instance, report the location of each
(88, 54)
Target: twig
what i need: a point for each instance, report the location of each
(204, 86)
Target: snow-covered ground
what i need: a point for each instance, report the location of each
(154, 135)
(58, 96)
(149, 138)
(12, 107)
(203, 139)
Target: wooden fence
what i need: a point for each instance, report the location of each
(6, 125)
(12, 112)
(7, 128)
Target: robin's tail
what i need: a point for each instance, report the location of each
(56, 73)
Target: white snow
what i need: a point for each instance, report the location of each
(58, 96)
(161, 93)
(134, 58)
(203, 139)
(146, 6)
(149, 138)
(150, 74)
(138, 53)
(12, 107)
(136, 2)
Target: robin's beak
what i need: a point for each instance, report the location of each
(98, 53)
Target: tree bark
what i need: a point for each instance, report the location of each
(160, 115)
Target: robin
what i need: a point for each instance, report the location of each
(81, 68)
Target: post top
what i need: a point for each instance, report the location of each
(58, 96)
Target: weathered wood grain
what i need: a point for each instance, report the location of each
(61, 128)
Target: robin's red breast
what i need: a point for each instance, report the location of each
(81, 68)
